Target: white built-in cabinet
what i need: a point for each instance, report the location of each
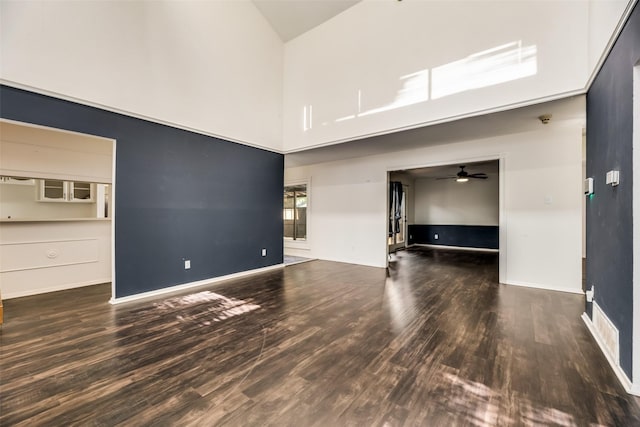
(55, 190)
(16, 180)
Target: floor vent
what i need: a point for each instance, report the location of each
(608, 333)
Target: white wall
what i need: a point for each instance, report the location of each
(38, 257)
(604, 17)
(348, 220)
(214, 66)
(38, 152)
(377, 67)
(447, 202)
(542, 206)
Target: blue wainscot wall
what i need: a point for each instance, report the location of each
(466, 236)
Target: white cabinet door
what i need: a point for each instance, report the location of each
(55, 190)
(52, 190)
(81, 192)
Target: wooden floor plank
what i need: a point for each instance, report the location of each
(433, 340)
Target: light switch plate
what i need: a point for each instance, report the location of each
(588, 186)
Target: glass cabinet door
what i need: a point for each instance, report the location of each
(56, 190)
(53, 189)
(81, 191)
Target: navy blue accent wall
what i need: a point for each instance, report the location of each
(468, 236)
(609, 212)
(179, 195)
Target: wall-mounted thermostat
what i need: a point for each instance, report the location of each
(613, 178)
(588, 186)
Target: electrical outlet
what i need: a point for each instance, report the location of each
(187, 264)
(435, 236)
(264, 252)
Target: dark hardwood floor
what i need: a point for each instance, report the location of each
(435, 341)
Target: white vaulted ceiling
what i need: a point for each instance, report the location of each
(290, 18)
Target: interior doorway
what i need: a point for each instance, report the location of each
(295, 212)
(398, 195)
(296, 216)
(451, 206)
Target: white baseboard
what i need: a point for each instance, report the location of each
(191, 285)
(63, 287)
(622, 377)
(461, 248)
(545, 287)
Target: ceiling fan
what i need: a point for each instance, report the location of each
(463, 175)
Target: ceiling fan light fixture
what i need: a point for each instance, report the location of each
(462, 179)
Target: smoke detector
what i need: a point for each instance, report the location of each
(545, 118)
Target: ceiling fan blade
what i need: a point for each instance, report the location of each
(447, 177)
(478, 176)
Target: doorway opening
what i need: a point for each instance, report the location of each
(295, 212)
(56, 208)
(397, 213)
(296, 219)
(454, 206)
(398, 195)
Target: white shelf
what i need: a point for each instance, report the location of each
(10, 220)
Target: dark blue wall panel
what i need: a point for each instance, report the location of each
(469, 236)
(609, 212)
(179, 195)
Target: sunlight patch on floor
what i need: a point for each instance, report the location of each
(217, 307)
(484, 407)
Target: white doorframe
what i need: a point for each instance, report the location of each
(635, 345)
(502, 227)
(112, 210)
(502, 222)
